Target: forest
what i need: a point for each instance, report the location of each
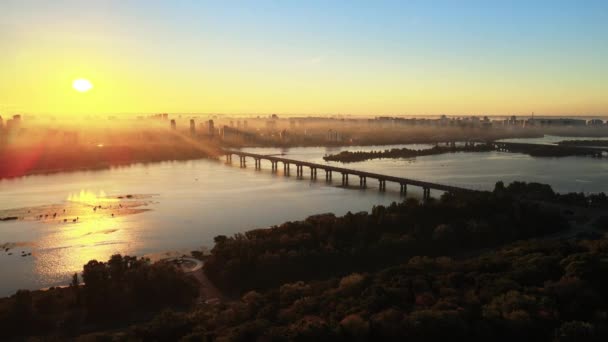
(325, 245)
(551, 290)
(122, 290)
(534, 290)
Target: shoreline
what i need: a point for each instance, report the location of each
(98, 167)
(164, 256)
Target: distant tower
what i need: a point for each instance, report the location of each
(1, 123)
(173, 126)
(17, 120)
(211, 128)
(14, 123)
(192, 127)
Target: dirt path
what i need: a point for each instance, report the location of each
(208, 293)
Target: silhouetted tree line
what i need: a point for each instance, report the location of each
(114, 294)
(325, 245)
(544, 192)
(357, 156)
(539, 150)
(530, 291)
(583, 142)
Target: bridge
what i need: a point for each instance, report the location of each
(345, 173)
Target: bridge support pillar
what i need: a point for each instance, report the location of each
(362, 182)
(426, 194)
(286, 169)
(403, 189)
(243, 161)
(258, 163)
(300, 171)
(381, 185)
(229, 158)
(313, 173)
(345, 179)
(274, 166)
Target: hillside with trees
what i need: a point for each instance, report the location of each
(530, 291)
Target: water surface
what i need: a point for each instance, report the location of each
(189, 203)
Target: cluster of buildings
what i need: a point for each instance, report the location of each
(333, 136)
(476, 121)
(11, 124)
(207, 129)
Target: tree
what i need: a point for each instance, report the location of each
(74, 282)
(575, 331)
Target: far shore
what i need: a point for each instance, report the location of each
(50, 171)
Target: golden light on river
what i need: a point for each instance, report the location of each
(90, 198)
(93, 229)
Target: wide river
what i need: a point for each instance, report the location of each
(189, 203)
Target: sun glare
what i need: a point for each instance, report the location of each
(82, 85)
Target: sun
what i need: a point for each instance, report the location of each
(82, 85)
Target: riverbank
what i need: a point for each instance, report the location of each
(584, 143)
(534, 150)
(27, 161)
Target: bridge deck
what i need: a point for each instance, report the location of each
(400, 180)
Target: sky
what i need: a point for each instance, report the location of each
(429, 57)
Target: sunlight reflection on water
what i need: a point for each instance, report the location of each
(70, 247)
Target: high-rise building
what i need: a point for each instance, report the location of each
(14, 123)
(173, 125)
(211, 128)
(333, 136)
(192, 127)
(1, 122)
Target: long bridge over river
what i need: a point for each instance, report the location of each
(345, 173)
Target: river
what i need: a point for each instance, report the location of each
(184, 205)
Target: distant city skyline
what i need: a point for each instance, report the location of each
(305, 58)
